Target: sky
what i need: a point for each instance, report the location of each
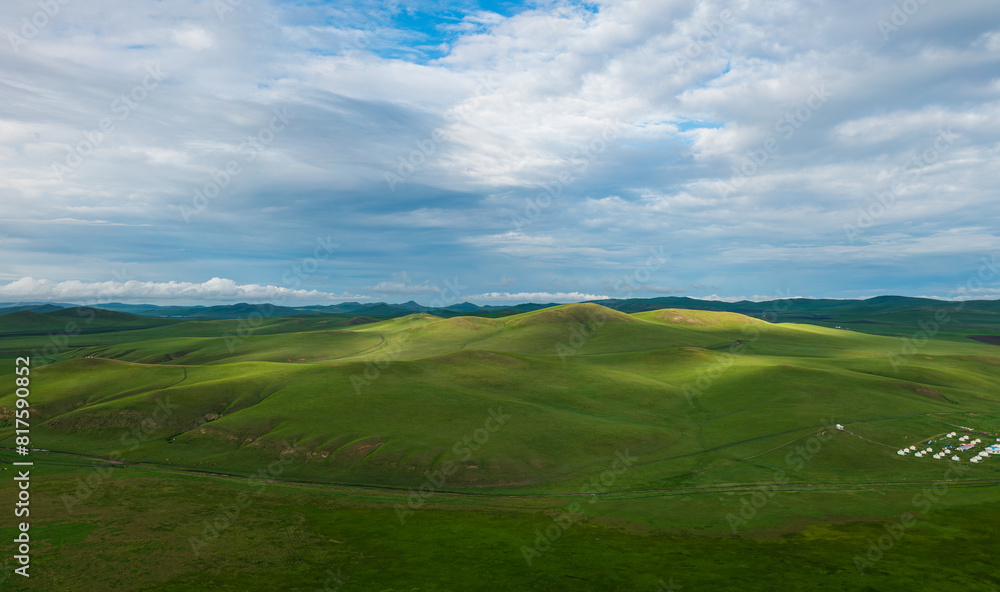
(218, 151)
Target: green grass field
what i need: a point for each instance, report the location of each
(569, 448)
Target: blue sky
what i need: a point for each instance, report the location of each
(316, 152)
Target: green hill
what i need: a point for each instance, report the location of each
(381, 402)
(696, 444)
(74, 321)
(27, 321)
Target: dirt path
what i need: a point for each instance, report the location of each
(571, 476)
(727, 487)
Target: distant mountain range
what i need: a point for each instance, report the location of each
(242, 310)
(801, 309)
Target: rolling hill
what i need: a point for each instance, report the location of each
(379, 403)
(697, 444)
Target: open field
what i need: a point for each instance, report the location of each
(573, 447)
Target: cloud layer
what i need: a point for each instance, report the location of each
(223, 290)
(822, 148)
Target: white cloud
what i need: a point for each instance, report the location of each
(503, 282)
(538, 297)
(402, 284)
(194, 38)
(215, 289)
(652, 288)
(225, 290)
(991, 41)
(731, 299)
(559, 75)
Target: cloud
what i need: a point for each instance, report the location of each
(543, 143)
(503, 282)
(194, 38)
(538, 297)
(215, 289)
(224, 290)
(401, 284)
(754, 298)
(654, 289)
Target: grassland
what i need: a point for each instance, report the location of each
(574, 447)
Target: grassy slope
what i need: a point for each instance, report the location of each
(74, 320)
(133, 531)
(386, 402)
